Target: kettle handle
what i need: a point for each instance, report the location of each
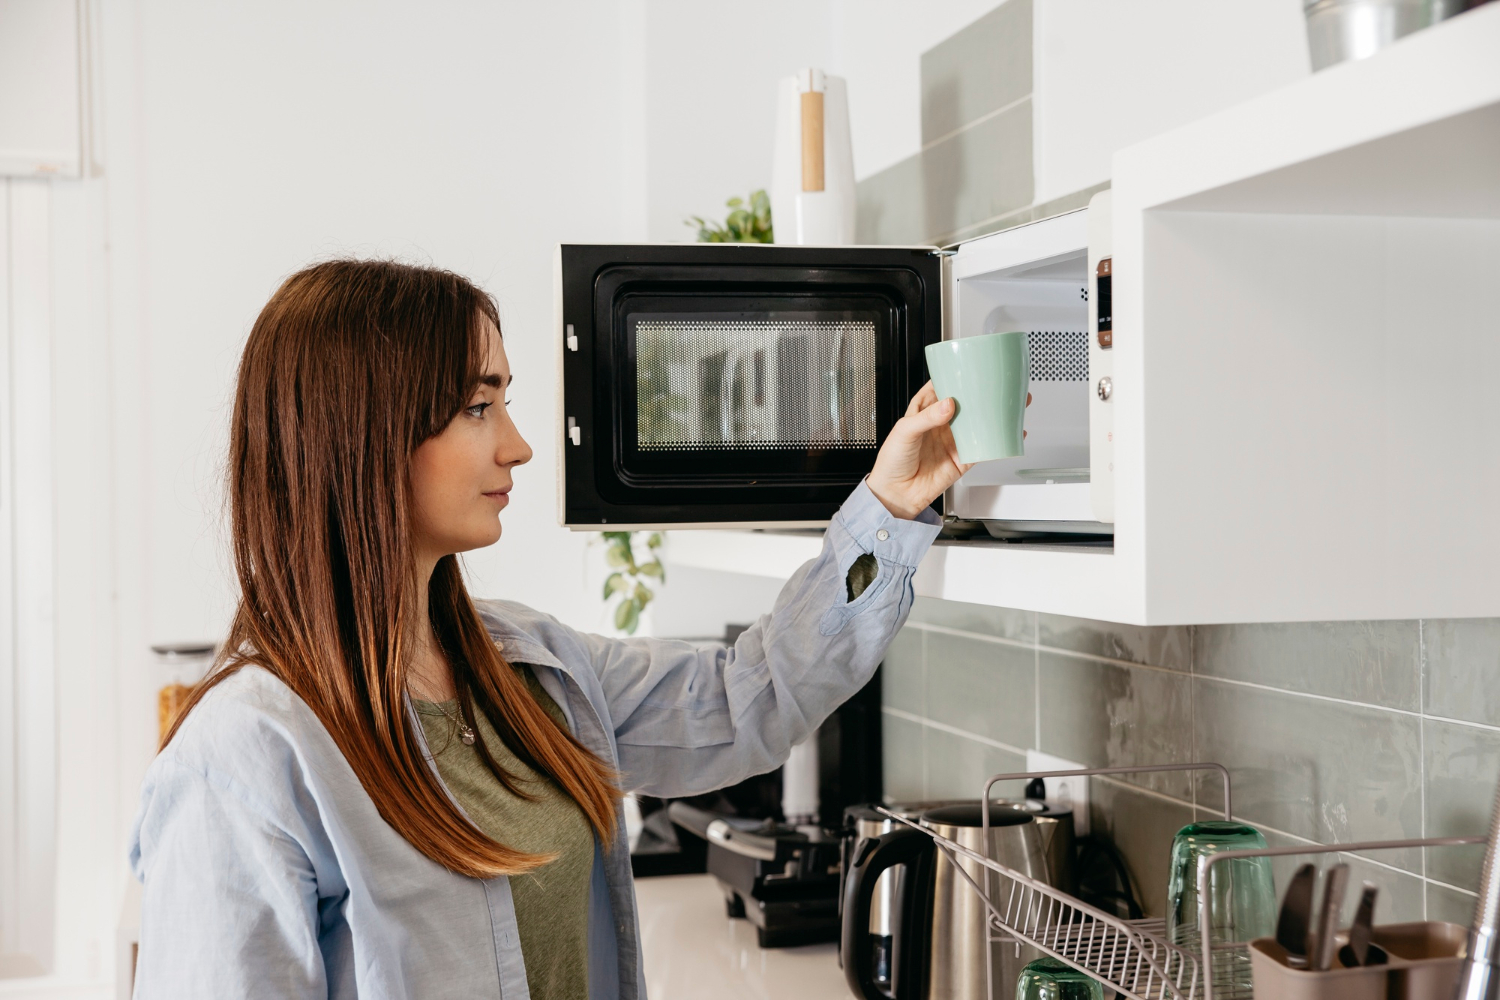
(870, 859)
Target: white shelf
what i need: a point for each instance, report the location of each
(1027, 576)
(1307, 341)
(1307, 338)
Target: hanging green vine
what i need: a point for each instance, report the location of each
(629, 576)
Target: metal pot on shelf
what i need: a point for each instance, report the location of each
(939, 934)
(1341, 30)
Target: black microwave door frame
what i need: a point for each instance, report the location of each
(601, 285)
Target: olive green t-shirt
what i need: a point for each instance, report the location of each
(552, 903)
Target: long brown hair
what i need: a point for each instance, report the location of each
(349, 367)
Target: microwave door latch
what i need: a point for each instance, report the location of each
(575, 433)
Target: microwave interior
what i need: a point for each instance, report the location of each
(723, 384)
(1047, 488)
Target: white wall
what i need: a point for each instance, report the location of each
(237, 143)
(711, 70)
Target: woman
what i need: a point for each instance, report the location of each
(386, 789)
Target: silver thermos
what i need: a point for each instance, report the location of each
(938, 932)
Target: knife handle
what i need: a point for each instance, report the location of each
(1334, 884)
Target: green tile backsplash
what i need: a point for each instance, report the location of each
(1332, 732)
(978, 71)
(974, 169)
(1463, 664)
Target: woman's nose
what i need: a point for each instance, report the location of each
(513, 448)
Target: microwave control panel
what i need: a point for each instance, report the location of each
(1101, 361)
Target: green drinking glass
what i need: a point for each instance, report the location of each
(1241, 893)
(1049, 979)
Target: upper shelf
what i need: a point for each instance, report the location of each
(1412, 131)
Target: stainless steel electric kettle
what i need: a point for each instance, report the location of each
(938, 927)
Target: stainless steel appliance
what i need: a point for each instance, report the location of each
(865, 823)
(751, 385)
(939, 940)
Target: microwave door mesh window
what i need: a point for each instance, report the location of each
(737, 384)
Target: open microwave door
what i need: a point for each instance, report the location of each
(733, 384)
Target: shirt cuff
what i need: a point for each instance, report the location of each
(882, 534)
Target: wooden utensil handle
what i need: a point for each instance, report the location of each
(812, 140)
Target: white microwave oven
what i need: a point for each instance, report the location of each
(717, 385)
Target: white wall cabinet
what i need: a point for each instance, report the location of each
(1307, 349)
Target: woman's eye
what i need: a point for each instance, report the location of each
(477, 410)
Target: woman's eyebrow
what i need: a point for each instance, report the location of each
(496, 381)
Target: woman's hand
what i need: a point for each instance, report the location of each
(919, 459)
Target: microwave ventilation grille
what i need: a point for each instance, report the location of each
(714, 384)
(1059, 355)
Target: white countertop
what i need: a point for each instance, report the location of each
(694, 952)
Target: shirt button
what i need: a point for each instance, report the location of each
(882, 535)
(500, 645)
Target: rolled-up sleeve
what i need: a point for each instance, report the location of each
(230, 902)
(689, 719)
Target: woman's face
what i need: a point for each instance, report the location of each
(461, 478)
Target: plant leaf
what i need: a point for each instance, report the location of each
(654, 540)
(652, 569)
(616, 555)
(615, 584)
(642, 595)
(628, 617)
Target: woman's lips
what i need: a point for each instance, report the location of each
(501, 497)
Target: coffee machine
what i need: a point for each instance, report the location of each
(773, 842)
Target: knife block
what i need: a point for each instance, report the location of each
(1426, 959)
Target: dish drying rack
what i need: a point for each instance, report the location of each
(1131, 957)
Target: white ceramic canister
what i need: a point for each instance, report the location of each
(812, 173)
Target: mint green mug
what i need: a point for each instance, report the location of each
(987, 377)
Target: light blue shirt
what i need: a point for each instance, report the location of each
(268, 872)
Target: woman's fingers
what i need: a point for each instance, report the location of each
(935, 415)
(924, 398)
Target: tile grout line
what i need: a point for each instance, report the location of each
(943, 727)
(1094, 657)
(997, 640)
(966, 126)
(1036, 693)
(952, 236)
(922, 659)
(1315, 843)
(1235, 682)
(1110, 779)
(1193, 709)
(1422, 747)
(1041, 647)
(1449, 885)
